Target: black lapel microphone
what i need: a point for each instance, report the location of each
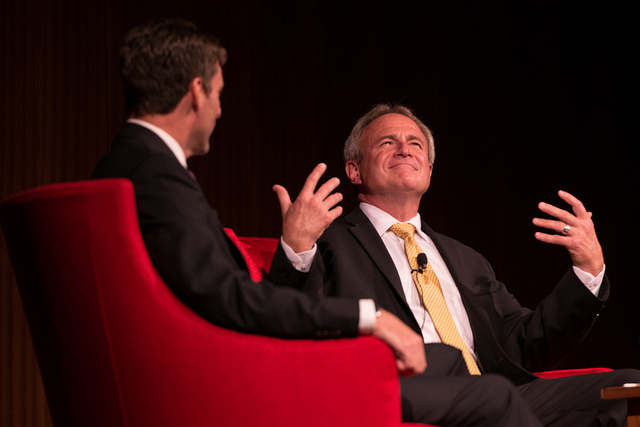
(422, 262)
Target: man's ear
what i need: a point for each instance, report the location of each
(353, 172)
(196, 92)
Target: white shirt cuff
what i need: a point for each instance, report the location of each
(592, 282)
(367, 316)
(302, 261)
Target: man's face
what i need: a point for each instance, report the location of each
(394, 158)
(209, 112)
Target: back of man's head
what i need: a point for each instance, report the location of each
(159, 59)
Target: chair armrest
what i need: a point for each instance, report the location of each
(570, 372)
(311, 383)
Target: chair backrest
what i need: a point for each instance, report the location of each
(45, 228)
(117, 348)
(257, 252)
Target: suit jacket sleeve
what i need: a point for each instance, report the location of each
(541, 338)
(192, 254)
(283, 273)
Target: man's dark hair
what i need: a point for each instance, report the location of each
(159, 59)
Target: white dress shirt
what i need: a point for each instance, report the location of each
(382, 221)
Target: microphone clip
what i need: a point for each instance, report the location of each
(421, 259)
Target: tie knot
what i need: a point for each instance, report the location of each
(403, 230)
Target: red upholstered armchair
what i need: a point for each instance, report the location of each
(116, 348)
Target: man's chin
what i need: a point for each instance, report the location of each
(201, 151)
(411, 185)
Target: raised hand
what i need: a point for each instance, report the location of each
(304, 220)
(573, 231)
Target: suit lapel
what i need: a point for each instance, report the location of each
(367, 236)
(445, 253)
(476, 318)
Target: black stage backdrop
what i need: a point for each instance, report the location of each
(524, 99)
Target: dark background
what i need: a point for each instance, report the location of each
(524, 99)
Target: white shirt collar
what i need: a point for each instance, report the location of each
(170, 141)
(382, 221)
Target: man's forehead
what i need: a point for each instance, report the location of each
(391, 124)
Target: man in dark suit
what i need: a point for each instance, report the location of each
(483, 329)
(172, 75)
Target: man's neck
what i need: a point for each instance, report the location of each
(171, 125)
(401, 208)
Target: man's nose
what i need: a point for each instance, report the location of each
(403, 148)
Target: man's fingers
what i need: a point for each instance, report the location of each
(334, 214)
(333, 200)
(406, 344)
(552, 239)
(403, 369)
(313, 178)
(575, 203)
(549, 224)
(410, 368)
(283, 198)
(326, 188)
(324, 191)
(563, 217)
(574, 231)
(578, 208)
(555, 212)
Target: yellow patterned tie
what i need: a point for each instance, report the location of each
(429, 289)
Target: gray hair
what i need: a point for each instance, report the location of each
(352, 145)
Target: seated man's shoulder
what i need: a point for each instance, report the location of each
(452, 245)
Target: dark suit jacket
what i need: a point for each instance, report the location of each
(193, 255)
(509, 339)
